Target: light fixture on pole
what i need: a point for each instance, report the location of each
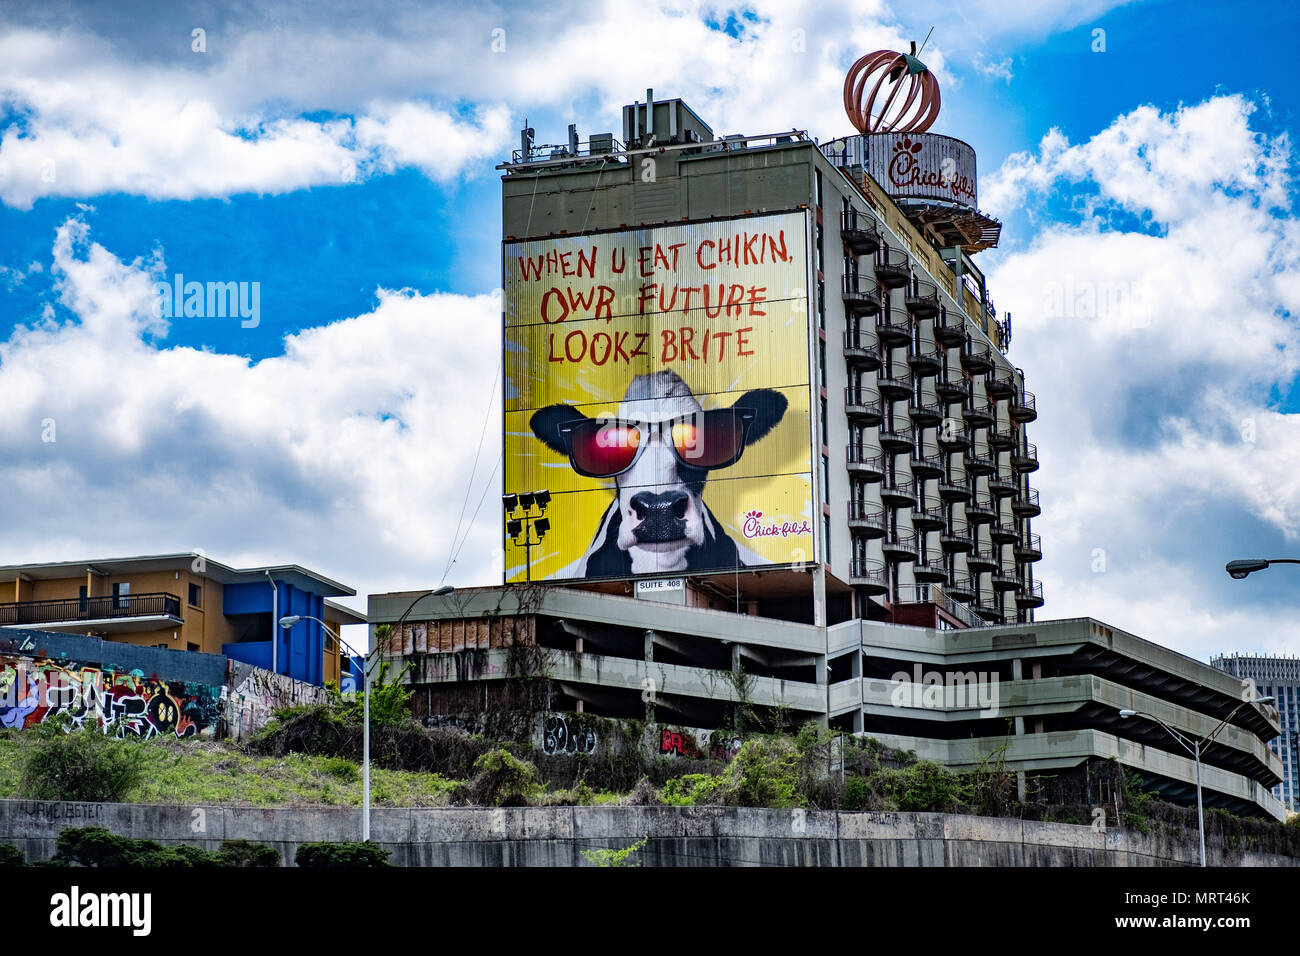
(521, 519)
(1194, 745)
(1242, 568)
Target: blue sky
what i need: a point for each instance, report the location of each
(344, 160)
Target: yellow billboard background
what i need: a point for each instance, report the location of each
(721, 304)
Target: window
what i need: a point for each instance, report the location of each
(823, 421)
(826, 537)
(826, 480)
(821, 304)
(121, 595)
(83, 599)
(196, 596)
(819, 187)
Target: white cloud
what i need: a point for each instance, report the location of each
(99, 108)
(999, 70)
(350, 452)
(1154, 328)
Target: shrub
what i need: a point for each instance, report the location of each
(857, 793)
(97, 846)
(503, 780)
(615, 857)
(692, 789)
(924, 787)
(766, 773)
(242, 853)
(644, 794)
(342, 768)
(10, 855)
(83, 765)
(345, 855)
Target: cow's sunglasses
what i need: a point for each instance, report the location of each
(605, 447)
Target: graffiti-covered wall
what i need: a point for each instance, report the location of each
(251, 695)
(125, 703)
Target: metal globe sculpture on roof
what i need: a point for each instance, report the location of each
(883, 77)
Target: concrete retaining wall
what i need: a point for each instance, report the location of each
(678, 836)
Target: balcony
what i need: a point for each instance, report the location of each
(1000, 438)
(929, 570)
(109, 613)
(1002, 486)
(894, 327)
(952, 490)
(1025, 504)
(1030, 594)
(928, 519)
(926, 362)
(957, 538)
(867, 520)
(980, 462)
(892, 385)
(1029, 547)
(979, 415)
(925, 414)
(870, 575)
(863, 406)
(859, 232)
(899, 546)
(1003, 532)
(892, 268)
(1024, 458)
(861, 351)
(898, 493)
(861, 295)
(922, 298)
(1000, 382)
(980, 510)
(926, 465)
(977, 359)
(989, 613)
(961, 587)
(952, 438)
(864, 461)
(1007, 581)
(1024, 407)
(949, 328)
(896, 438)
(951, 386)
(982, 559)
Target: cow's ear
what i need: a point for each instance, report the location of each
(769, 407)
(546, 423)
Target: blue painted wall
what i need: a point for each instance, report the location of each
(301, 647)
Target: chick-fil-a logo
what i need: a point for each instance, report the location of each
(906, 172)
(755, 528)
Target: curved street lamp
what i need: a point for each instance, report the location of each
(1194, 746)
(1239, 569)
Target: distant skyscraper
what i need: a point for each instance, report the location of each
(1278, 677)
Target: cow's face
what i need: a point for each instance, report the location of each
(659, 450)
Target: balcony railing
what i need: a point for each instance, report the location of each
(928, 519)
(859, 232)
(894, 326)
(921, 298)
(1000, 437)
(926, 361)
(1024, 458)
(861, 295)
(1029, 547)
(893, 384)
(899, 546)
(951, 386)
(866, 518)
(1024, 407)
(957, 538)
(927, 464)
(1000, 382)
(861, 350)
(869, 574)
(898, 437)
(1030, 594)
(925, 414)
(898, 492)
(892, 268)
(976, 359)
(949, 327)
(1025, 504)
(863, 404)
(1002, 486)
(979, 415)
(154, 604)
(865, 462)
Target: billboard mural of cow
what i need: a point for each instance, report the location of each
(657, 385)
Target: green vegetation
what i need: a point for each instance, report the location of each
(503, 780)
(11, 856)
(96, 846)
(615, 857)
(83, 764)
(344, 855)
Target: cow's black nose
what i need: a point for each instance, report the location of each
(671, 504)
(661, 517)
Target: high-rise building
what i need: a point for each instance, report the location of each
(1277, 677)
(762, 375)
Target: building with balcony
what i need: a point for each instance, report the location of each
(188, 602)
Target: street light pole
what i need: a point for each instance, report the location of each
(1193, 746)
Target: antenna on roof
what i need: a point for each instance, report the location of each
(915, 51)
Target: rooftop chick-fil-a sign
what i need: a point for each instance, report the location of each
(923, 166)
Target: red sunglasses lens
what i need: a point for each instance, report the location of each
(710, 439)
(601, 449)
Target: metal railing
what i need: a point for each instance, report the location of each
(153, 604)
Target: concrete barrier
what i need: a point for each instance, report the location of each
(677, 836)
